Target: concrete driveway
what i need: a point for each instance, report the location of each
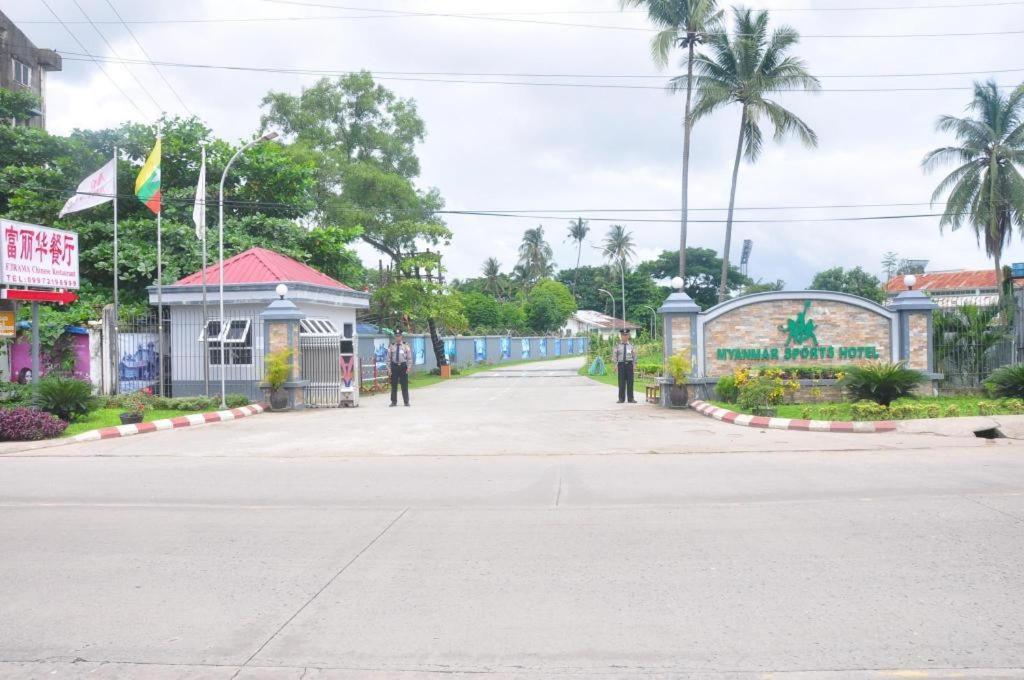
(542, 408)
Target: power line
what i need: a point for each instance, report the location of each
(150, 59)
(114, 52)
(877, 8)
(94, 59)
(71, 56)
(478, 17)
(532, 215)
(493, 74)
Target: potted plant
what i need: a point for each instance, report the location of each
(279, 369)
(678, 367)
(135, 407)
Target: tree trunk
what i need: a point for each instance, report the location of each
(622, 273)
(576, 274)
(723, 289)
(437, 343)
(687, 127)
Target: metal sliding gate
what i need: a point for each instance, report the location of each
(329, 361)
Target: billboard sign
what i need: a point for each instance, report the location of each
(38, 257)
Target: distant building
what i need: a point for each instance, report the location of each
(23, 66)
(587, 321)
(954, 288)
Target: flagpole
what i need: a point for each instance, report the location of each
(206, 317)
(160, 287)
(115, 344)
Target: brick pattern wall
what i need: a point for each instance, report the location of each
(919, 341)
(682, 337)
(757, 325)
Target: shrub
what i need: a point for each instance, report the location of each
(1007, 381)
(869, 410)
(952, 411)
(648, 368)
(906, 412)
(278, 369)
(758, 395)
(66, 398)
(15, 394)
(881, 382)
(29, 424)
(933, 411)
(727, 390)
(239, 400)
(678, 366)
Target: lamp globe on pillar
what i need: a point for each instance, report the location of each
(910, 281)
(281, 290)
(678, 283)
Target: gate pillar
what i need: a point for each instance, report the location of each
(914, 312)
(281, 331)
(679, 329)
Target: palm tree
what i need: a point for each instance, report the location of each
(744, 69)
(535, 256)
(986, 190)
(685, 24)
(618, 248)
(492, 276)
(578, 230)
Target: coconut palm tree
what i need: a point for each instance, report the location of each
(745, 68)
(683, 24)
(535, 256)
(578, 230)
(618, 248)
(492, 276)
(986, 190)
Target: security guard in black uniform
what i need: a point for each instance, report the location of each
(625, 359)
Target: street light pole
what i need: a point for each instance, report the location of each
(220, 254)
(602, 290)
(654, 319)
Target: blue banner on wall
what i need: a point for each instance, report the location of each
(480, 349)
(543, 347)
(449, 350)
(571, 349)
(526, 347)
(558, 347)
(506, 348)
(419, 351)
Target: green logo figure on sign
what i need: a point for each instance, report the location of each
(800, 329)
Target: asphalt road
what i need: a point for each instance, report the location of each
(866, 562)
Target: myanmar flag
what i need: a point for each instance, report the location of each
(147, 184)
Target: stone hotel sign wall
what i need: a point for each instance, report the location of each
(810, 328)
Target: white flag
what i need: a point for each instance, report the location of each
(199, 209)
(96, 189)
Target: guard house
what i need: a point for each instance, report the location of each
(236, 346)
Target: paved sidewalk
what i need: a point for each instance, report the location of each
(544, 408)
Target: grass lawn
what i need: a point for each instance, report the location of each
(108, 417)
(947, 407)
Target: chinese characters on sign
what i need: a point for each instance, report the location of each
(39, 257)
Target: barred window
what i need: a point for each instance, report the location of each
(22, 73)
(229, 344)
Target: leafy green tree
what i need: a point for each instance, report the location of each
(578, 230)
(763, 287)
(618, 249)
(483, 312)
(745, 68)
(513, 317)
(17, 105)
(856, 281)
(492, 277)
(536, 259)
(986, 190)
(702, 281)
(683, 24)
(548, 306)
(890, 264)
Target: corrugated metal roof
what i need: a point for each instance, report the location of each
(591, 318)
(259, 265)
(949, 281)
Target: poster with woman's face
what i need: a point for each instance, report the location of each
(526, 348)
(542, 348)
(506, 348)
(480, 349)
(419, 351)
(449, 350)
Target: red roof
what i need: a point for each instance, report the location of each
(259, 265)
(948, 281)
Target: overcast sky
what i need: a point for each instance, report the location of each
(581, 150)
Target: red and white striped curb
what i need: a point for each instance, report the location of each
(169, 423)
(727, 416)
